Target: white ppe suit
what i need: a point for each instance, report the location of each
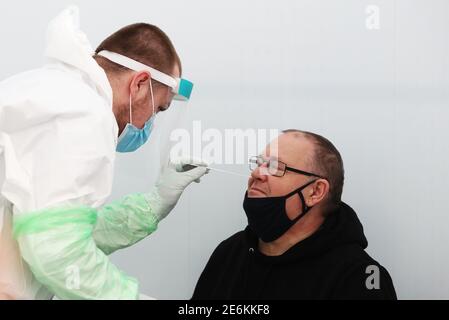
(58, 139)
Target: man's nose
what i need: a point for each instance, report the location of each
(260, 173)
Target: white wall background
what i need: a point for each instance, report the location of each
(380, 95)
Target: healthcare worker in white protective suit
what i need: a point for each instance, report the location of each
(60, 127)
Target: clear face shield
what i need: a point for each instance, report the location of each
(168, 121)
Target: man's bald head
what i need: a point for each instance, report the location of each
(326, 161)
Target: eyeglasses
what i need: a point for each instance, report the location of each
(276, 168)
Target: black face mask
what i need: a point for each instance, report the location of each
(267, 217)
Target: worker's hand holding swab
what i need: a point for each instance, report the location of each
(174, 178)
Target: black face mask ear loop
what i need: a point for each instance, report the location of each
(305, 208)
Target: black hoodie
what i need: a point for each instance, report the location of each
(330, 264)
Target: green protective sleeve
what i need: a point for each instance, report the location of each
(124, 222)
(58, 246)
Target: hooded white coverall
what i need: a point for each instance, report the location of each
(58, 139)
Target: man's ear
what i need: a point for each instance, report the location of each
(318, 191)
(140, 85)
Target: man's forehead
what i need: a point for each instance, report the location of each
(293, 148)
(176, 72)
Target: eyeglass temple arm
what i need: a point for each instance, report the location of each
(303, 172)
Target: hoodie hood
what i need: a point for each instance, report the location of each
(65, 42)
(341, 227)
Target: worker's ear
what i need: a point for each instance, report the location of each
(316, 192)
(140, 85)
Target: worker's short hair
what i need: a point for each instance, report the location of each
(142, 42)
(326, 161)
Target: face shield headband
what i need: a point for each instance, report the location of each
(181, 88)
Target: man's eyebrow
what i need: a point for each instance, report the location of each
(280, 159)
(272, 157)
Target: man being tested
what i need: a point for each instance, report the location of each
(302, 241)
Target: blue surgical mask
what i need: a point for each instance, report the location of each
(132, 138)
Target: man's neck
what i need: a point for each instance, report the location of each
(303, 229)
